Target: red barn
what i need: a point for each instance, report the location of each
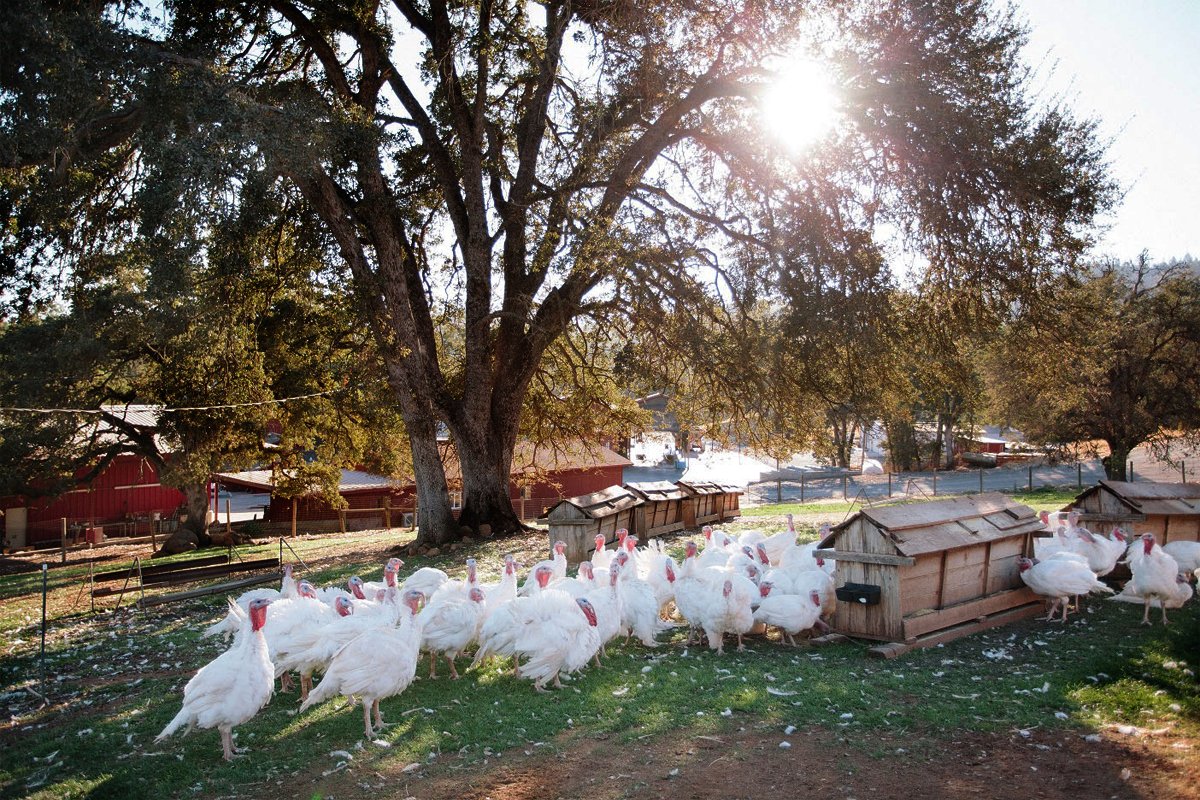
(127, 493)
(540, 478)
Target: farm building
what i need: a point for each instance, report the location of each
(578, 520)
(540, 478)
(1171, 511)
(927, 572)
(126, 497)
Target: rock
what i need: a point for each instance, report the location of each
(485, 530)
(433, 551)
(468, 540)
(454, 548)
(182, 541)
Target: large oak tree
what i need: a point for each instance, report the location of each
(488, 173)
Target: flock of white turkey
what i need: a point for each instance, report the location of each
(366, 639)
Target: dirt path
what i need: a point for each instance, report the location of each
(749, 762)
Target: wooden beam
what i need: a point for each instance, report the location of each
(918, 625)
(867, 558)
(216, 588)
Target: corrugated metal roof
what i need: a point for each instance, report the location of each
(1148, 497)
(603, 503)
(140, 415)
(351, 481)
(928, 527)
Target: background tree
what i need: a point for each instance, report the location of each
(1114, 357)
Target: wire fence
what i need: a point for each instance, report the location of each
(796, 486)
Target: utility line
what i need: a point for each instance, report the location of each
(119, 409)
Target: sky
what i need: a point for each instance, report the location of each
(1134, 65)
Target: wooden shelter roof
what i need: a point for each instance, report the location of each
(694, 488)
(918, 528)
(603, 503)
(656, 490)
(1148, 497)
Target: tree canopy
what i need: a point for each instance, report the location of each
(473, 180)
(1115, 357)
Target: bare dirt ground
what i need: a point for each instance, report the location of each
(749, 762)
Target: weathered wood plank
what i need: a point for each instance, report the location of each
(921, 624)
(866, 558)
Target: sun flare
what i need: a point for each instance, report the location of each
(801, 104)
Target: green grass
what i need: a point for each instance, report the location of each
(114, 681)
(1042, 498)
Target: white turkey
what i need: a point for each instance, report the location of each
(797, 581)
(582, 583)
(1059, 579)
(557, 564)
(715, 600)
(499, 593)
(600, 556)
(805, 555)
(232, 621)
(324, 642)
(425, 580)
(392, 565)
(778, 544)
(1186, 555)
(606, 603)
(1183, 593)
(639, 606)
(499, 631)
(233, 687)
(559, 634)
(299, 656)
(791, 613)
(377, 664)
(1153, 575)
(449, 623)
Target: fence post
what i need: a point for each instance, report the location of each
(1031, 479)
(801, 487)
(889, 484)
(228, 518)
(387, 511)
(1131, 472)
(293, 517)
(935, 481)
(42, 652)
(845, 478)
(1182, 472)
(341, 520)
(63, 542)
(1079, 474)
(981, 480)
(778, 488)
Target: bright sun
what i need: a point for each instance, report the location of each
(800, 106)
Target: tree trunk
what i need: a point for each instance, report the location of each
(196, 498)
(948, 441)
(485, 454)
(435, 520)
(1117, 461)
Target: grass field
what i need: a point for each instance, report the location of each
(113, 681)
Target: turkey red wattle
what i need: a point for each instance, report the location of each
(764, 589)
(356, 587)
(1147, 542)
(343, 606)
(258, 614)
(588, 610)
(815, 596)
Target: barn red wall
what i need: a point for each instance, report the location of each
(127, 488)
(566, 483)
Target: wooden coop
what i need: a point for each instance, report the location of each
(703, 502)
(577, 520)
(1171, 511)
(916, 575)
(660, 510)
(730, 501)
